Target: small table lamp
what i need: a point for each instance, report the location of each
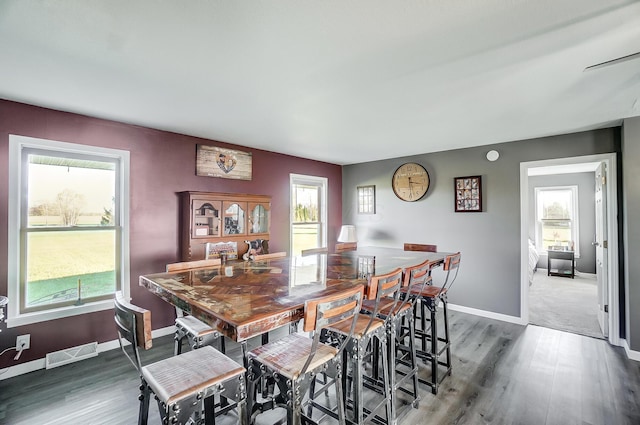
(347, 233)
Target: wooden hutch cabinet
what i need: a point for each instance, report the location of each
(221, 217)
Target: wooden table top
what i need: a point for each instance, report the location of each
(243, 299)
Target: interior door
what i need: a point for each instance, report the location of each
(601, 243)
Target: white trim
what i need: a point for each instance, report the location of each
(323, 184)
(575, 217)
(58, 313)
(16, 144)
(33, 365)
(487, 314)
(612, 231)
(631, 354)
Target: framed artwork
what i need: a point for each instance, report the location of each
(367, 199)
(213, 161)
(468, 193)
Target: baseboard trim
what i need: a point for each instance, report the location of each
(37, 364)
(488, 314)
(631, 354)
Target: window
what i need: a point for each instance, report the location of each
(308, 212)
(557, 218)
(366, 199)
(68, 229)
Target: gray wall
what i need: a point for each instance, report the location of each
(489, 241)
(586, 214)
(631, 232)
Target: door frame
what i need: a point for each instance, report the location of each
(612, 229)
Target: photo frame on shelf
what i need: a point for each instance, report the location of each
(366, 199)
(468, 194)
(212, 161)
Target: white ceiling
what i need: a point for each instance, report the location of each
(333, 80)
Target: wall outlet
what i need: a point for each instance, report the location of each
(23, 342)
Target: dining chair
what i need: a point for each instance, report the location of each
(195, 331)
(429, 298)
(184, 386)
(397, 310)
(310, 251)
(270, 256)
(346, 246)
(420, 247)
(296, 360)
(368, 345)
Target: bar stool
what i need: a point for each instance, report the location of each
(430, 297)
(366, 344)
(295, 361)
(420, 247)
(397, 312)
(196, 332)
(184, 386)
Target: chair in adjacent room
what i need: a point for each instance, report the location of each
(420, 247)
(427, 334)
(296, 360)
(184, 386)
(195, 331)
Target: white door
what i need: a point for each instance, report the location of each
(601, 243)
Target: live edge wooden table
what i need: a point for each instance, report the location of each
(244, 299)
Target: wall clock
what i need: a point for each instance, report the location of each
(410, 182)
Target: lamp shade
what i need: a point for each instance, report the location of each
(347, 233)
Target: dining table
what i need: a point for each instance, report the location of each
(246, 299)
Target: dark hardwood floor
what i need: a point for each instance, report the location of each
(502, 374)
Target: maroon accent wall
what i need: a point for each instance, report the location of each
(162, 164)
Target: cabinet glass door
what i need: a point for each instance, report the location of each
(206, 218)
(234, 219)
(258, 219)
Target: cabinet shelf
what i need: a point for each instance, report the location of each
(221, 217)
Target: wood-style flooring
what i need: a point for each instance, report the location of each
(502, 374)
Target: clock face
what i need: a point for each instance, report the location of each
(410, 182)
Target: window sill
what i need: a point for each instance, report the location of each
(58, 313)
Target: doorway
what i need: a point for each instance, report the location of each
(595, 284)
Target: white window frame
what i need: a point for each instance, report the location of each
(575, 223)
(322, 183)
(16, 146)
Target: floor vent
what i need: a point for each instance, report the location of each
(70, 355)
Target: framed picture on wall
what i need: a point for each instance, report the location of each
(468, 193)
(212, 161)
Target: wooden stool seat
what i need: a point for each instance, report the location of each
(361, 326)
(199, 371)
(194, 326)
(432, 291)
(289, 354)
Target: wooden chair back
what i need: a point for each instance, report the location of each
(326, 311)
(134, 325)
(384, 285)
(323, 250)
(420, 247)
(415, 278)
(269, 256)
(346, 246)
(197, 264)
(451, 264)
